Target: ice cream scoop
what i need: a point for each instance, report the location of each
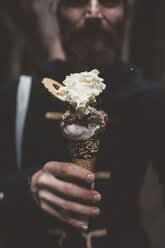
(85, 128)
(79, 132)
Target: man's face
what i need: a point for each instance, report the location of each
(91, 32)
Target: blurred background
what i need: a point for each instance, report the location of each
(28, 39)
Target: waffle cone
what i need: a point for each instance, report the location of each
(83, 152)
(88, 164)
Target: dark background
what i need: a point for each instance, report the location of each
(27, 39)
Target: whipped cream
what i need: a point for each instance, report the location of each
(80, 90)
(79, 132)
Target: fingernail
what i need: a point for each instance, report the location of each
(84, 227)
(97, 197)
(95, 211)
(91, 177)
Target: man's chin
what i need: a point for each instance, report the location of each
(86, 54)
(86, 60)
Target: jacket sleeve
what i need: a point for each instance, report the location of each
(13, 182)
(158, 142)
(154, 108)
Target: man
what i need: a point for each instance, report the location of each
(41, 204)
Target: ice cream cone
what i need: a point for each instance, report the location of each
(82, 123)
(83, 152)
(88, 164)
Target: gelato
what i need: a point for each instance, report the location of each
(91, 125)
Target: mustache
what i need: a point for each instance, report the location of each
(92, 31)
(91, 28)
(90, 35)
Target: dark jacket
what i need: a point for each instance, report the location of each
(135, 137)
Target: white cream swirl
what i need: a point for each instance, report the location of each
(80, 90)
(79, 132)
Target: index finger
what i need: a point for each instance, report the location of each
(70, 171)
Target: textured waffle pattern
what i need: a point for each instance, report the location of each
(88, 164)
(84, 152)
(84, 149)
(52, 86)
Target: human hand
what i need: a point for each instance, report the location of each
(53, 191)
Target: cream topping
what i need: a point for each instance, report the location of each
(80, 90)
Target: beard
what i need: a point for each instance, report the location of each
(91, 46)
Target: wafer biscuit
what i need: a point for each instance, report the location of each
(52, 86)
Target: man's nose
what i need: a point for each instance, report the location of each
(93, 10)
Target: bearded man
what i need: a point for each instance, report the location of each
(41, 205)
